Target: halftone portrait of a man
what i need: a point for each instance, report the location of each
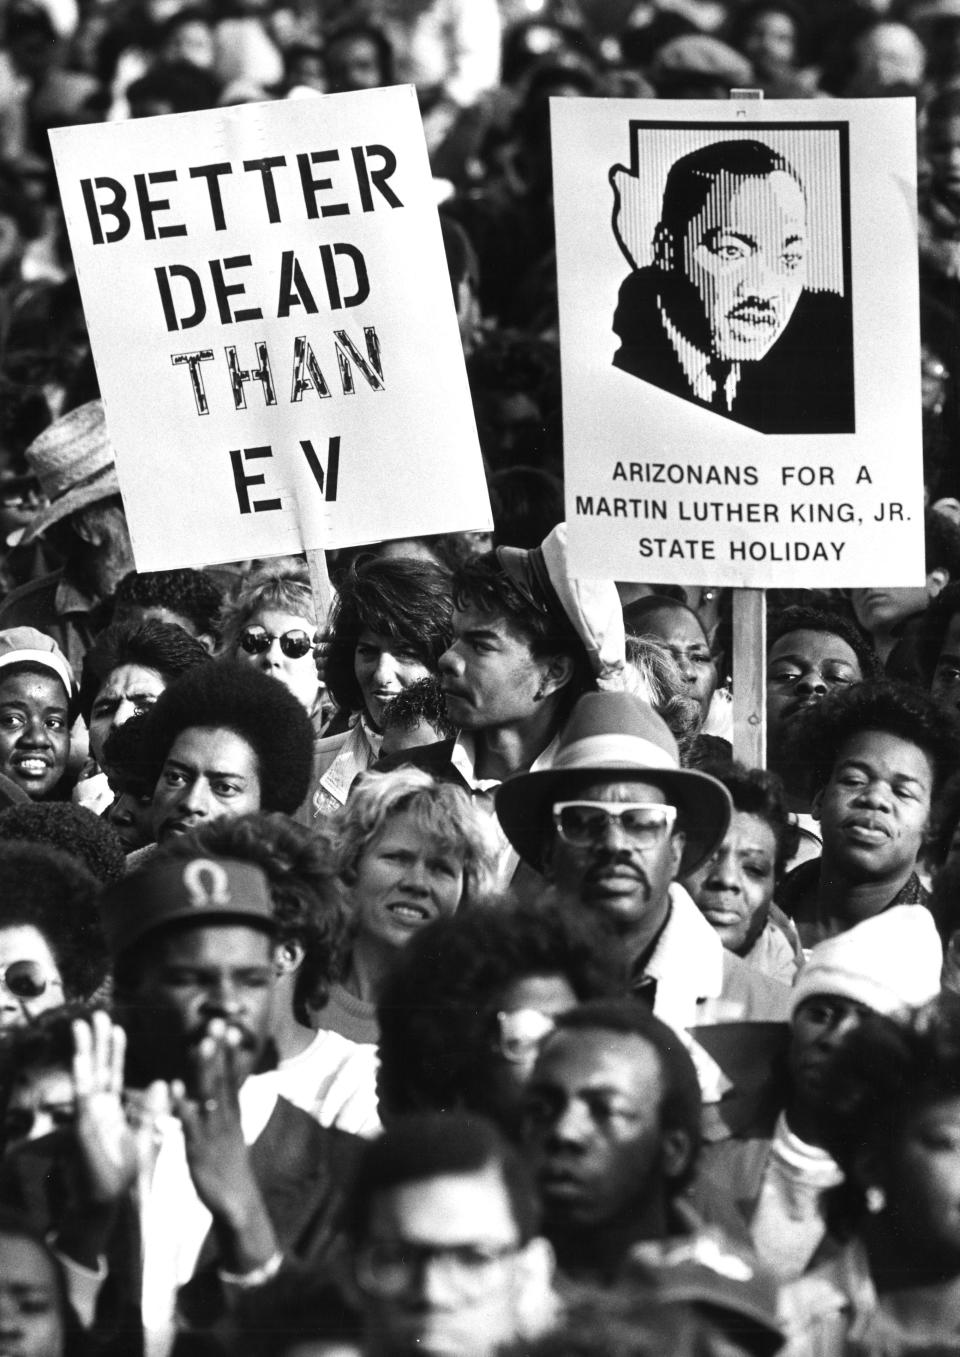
(734, 312)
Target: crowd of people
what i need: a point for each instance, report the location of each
(428, 977)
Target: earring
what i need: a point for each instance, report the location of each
(876, 1199)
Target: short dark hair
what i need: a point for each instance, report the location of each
(232, 695)
(187, 88)
(754, 791)
(436, 1008)
(298, 866)
(681, 1103)
(895, 708)
(193, 594)
(405, 599)
(481, 582)
(49, 890)
(691, 180)
(72, 828)
(434, 1145)
(798, 617)
(941, 539)
(162, 646)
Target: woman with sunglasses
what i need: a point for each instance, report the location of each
(272, 624)
(51, 947)
(391, 623)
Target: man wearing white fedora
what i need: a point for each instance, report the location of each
(73, 461)
(611, 825)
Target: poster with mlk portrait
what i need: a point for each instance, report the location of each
(739, 336)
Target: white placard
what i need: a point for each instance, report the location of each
(739, 330)
(273, 327)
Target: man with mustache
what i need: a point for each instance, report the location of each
(879, 754)
(612, 825)
(725, 316)
(186, 1181)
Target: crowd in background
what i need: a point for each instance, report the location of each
(428, 977)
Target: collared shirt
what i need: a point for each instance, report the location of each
(799, 897)
(696, 365)
(464, 759)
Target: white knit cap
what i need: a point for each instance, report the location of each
(890, 964)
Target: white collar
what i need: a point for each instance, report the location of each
(695, 362)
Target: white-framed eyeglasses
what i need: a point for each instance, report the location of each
(583, 823)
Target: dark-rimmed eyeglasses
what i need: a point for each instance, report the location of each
(27, 979)
(583, 823)
(257, 641)
(18, 1122)
(390, 1270)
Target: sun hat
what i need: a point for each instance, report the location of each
(26, 645)
(609, 734)
(891, 964)
(74, 463)
(168, 890)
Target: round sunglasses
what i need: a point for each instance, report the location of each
(257, 640)
(27, 979)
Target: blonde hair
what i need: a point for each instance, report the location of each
(284, 587)
(443, 813)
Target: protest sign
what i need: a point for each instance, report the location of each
(273, 327)
(739, 332)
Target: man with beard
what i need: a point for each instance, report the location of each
(612, 825)
(185, 1181)
(725, 316)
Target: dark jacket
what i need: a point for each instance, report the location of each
(303, 1170)
(803, 385)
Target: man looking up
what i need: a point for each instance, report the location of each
(612, 1129)
(445, 1253)
(879, 755)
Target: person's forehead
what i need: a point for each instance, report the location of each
(214, 747)
(585, 1058)
(450, 1208)
(131, 678)
(39, 687)
(808, 644)
(887, 752)
(754, 203)
(676, 626)
(473, 619)
(227, 943)
(279, 620)
(613, 788)
(750, 831)
(24, 942)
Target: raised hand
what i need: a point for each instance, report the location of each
(106, 1143)
(217, 1155)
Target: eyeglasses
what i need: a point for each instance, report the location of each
(583, 823)
(257, 640)
(521, 1033)
(27, 979)
(390, 1270)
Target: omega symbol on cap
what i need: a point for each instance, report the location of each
(207, 884)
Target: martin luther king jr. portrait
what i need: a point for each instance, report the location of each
(727, 315)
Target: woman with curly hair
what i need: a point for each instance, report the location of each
(389, 627)
(407, 849)
(272, 624)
